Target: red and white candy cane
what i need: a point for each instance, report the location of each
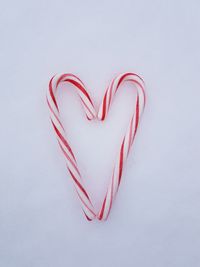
(128, 137)
(86, 203)
(91, 114)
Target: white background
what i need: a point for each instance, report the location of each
(155, 220)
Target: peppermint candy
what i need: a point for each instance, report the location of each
(92, 113)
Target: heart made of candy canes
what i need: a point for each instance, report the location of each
(92, 113)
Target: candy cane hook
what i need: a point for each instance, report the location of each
(71, 162)
(128, 137)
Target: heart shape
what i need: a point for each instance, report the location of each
(92, 113)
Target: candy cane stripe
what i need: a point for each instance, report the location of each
(80, 87)
(87, 108)
(110, 95)
(130, 135)
(102, 210)
(51, 93)
(121, 162)
(104, 106)
(136, 116)
(64, 141)
(79, 185)
(68, 158)
(58, 120)
(89, 209)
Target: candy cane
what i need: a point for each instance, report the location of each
(127, 139)
(86, 203)
(88, 106)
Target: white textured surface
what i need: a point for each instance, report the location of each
(155, 220)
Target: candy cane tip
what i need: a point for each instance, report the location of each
(102, 218)
(90, 117)
(99, 117)
(88, 218)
